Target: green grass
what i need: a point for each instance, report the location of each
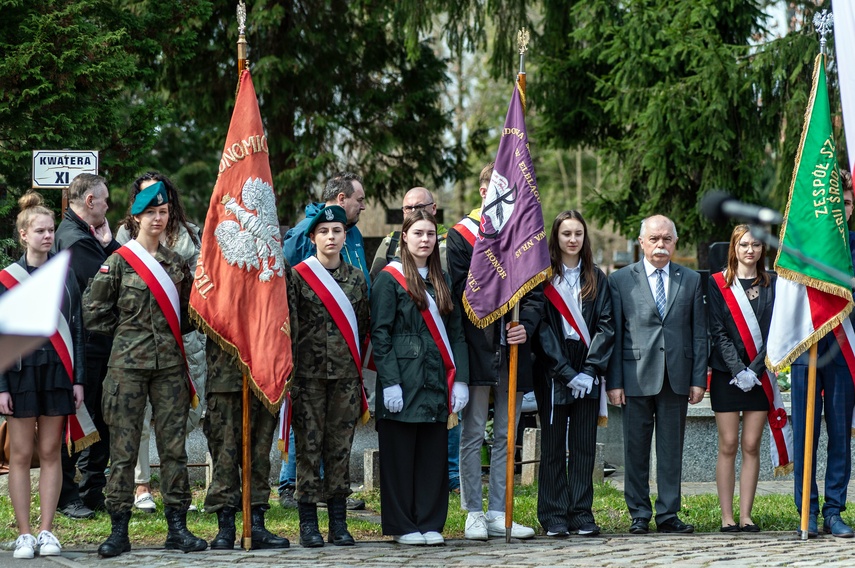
(771, 512)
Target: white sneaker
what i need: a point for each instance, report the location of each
(496, 527)
(433, 538)
(48, 544)
(145, 502)
(25, 546)
(412, 538)
(476, 526)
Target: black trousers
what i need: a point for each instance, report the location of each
(666, 414)
(565, 493)
(93, 460)
(413, 476)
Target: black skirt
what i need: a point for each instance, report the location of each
(725, 397)
(41, 390)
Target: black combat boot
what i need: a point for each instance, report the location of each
(177, 536)
(261, 537)
(310, 535)
(337, 507)
(118, 541)
(225, 539)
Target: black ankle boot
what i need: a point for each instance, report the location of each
(178, 537)
(225, 539)
(261, 537)
(337, 507)
(118, 541)
(310, 535)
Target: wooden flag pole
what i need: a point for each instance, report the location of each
(512, 429)
(522, 40)
(246, 455)
(807, 470)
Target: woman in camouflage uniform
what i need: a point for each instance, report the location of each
(180, 236)
(328, 301)
(126, 299)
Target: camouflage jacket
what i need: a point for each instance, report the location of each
(118, 302)
(318, 347)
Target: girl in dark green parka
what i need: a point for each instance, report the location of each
(423, 377)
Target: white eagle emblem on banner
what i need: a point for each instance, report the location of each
(253, 241)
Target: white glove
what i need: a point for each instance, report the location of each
(459, 396)
(745, 380)
(581, 385)
(393, 398)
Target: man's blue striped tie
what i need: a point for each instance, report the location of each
(660, 293)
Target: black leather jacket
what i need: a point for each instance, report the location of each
(72, 312)
(558, 361)
(87, 256)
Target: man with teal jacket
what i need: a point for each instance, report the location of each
(343, 189)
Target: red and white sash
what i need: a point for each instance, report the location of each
(468, 228)
(572, 314)
(781, 441)
(80, 431)
(341, 311)
(435, 326)
(845, 336)
(165, 293)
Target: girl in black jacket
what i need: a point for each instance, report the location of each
(39, 389)
(571, 356)
(735, 384)
(424, 381)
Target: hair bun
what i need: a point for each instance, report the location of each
(30, 199)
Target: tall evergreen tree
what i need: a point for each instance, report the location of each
(337, 91)
(684, 97)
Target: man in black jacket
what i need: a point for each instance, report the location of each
(488, 373)
(85, 231)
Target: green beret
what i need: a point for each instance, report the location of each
(327, 214)
(152, 196)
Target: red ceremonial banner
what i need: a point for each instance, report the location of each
(239, 297)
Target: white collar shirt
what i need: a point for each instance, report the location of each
(650, 270)
(570, 286)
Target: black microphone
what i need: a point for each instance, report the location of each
(718, 206)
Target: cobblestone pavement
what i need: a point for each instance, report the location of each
(706, 550)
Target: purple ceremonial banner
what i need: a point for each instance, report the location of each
(510, 256)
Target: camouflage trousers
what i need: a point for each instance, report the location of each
(324, 418)
(222, 427)
(123, 405)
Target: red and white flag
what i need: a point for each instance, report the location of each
(239, 296)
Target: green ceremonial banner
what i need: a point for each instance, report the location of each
(815, 220)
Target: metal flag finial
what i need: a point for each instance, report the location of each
(522, 40)
(241, 16)
(241, 43)
(823, 22)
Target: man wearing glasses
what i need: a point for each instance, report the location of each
(415, 199)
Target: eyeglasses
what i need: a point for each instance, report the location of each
(411, 208)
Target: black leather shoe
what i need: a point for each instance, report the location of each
(674, 525)
(76, 510)
(640, 525)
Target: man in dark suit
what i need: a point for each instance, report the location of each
(84, 231)
(659, 365)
